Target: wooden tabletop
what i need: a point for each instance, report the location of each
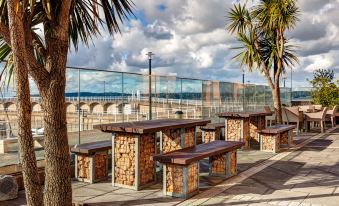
(189, 155)
(89, 148)
(244, 114)
(150, 126)
(213, 126)
(277, 129)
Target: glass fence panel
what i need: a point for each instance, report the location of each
(135, 105)
(94, 97)
(191, 98)
(260, 95)
(97, 102)
(250, 97)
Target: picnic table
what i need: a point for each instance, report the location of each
(91, 161)
(244, 126)
(211, 132)
(134, 143)
(181, 167)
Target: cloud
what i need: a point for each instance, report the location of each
(189, 39)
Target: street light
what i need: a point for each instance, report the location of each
(243, 92)
(150, 54)
(291, 85)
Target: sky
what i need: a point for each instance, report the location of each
(189, 39)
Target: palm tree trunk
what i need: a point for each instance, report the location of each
(58, 188)
(26, 145)
(277, 102)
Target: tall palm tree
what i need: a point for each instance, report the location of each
(43, 57)
(260, 30)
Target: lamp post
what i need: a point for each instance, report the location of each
(291, 85)
(243, 92)
(150, 54)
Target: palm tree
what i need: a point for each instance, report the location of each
(43, 57)
(261, 33)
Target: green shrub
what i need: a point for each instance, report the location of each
(325, 91)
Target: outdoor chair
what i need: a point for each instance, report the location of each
(317, 117)
(293, 116)
(331, 115)
(317, 107)
(307, 108)
(269, 118)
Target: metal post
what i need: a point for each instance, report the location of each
(122, 97)
(180, 94)
(150, 54)
(291, 87)
(243, 92)
(79, 123)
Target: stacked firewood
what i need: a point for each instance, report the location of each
(246, 132)
(254, 126)
(219, 164)
(208, 136)
(124, 158)
(233, 163)
(171, 140)
(211, 135)
(284, 138)
(100, 166)
(174, 178)
(268, 142)
(233, 129)
(189, 137)
(146, 165)
(83, 166)
(193, 178)
(291, 137)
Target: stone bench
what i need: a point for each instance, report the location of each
(181, 167)
(211, 132)
(272, 138)
(91, 161)
(4, 143)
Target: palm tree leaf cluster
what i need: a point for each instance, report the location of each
(86, 17)
(256, 29)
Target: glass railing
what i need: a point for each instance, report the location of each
(301, 94)
(99, 96)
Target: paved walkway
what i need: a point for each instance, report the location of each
(305, 176)
(308, 176)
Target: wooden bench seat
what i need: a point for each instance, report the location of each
(181, 167)
(272, 138)
(211, 132)
(91, 161)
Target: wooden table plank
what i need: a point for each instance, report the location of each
(189, 155)
(244, 114)
(213, 126)
(277, 129)
(149, 126)
(92, 147)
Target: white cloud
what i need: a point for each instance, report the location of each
(189, 39)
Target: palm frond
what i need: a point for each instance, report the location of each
(239, 19)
